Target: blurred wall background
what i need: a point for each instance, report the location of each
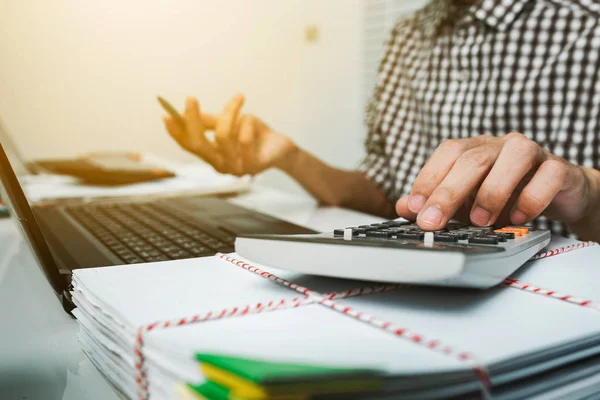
(82, 75)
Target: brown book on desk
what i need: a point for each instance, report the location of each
(105, 169)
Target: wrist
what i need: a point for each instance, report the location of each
(593, 178)
(289, 158)
(588, 227)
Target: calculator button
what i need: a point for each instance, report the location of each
(468, 234)
(523, 229)
(483, 229)
(377, 226)
(367, 227)
(445, 238)
(396, 224)
(459, 235)
(483, 240)
(355, 231)
(506, 234)
(411, 235)
(396, 231)
(515, 232)
(497, 236)
(379, 234)
(451, 226)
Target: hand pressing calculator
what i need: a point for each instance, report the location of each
(400, 252)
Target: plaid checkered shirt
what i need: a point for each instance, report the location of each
(489, 69)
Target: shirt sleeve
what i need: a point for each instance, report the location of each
(376, 164)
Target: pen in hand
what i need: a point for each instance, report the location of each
(171, 110)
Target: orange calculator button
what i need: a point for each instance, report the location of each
(517, 232)
(521, 229)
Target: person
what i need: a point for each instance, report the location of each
(483, 111)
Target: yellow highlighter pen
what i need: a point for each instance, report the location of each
(171, 110)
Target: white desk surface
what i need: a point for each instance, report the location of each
(40, 357)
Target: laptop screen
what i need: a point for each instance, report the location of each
(12, 194)
(12, 152)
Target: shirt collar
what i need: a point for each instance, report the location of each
(498, 14)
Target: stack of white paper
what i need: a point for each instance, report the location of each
(197, 177)
(529, 344)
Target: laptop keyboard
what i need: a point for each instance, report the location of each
(149, 232)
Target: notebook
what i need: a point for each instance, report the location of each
(192, 178)
(538, 334)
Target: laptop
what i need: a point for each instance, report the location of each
(65, 235)
(19, 164)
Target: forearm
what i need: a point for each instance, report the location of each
(588, 228)
(336, 187)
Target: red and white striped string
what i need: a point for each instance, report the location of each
(517, 284)
(141, 375)
(561, 250)
(434, 345)
(514, 283)
(327, 300)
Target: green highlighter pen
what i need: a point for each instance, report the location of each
(171, 110)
